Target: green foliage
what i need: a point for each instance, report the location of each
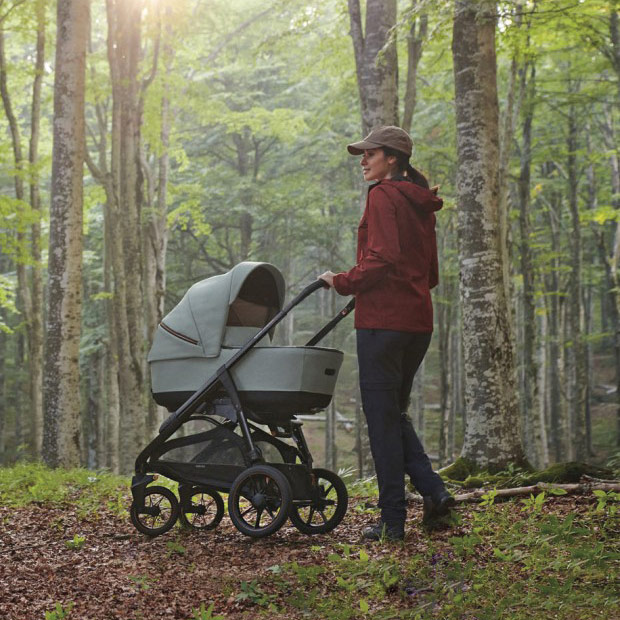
(498, 567)
(252, 592)
(534, 503)
(59, 612)
(76, 543)
(203, 613)
(25, 483)
(141, 582)
(606, 501)
(175, 548)
(7, 301)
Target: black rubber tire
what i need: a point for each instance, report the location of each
(214, 510)
(155, 525)
(325, 514)
(259, 501)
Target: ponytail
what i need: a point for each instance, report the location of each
(405, 168)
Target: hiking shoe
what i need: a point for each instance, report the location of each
(442, 503)
(436, 508)
(384, 531)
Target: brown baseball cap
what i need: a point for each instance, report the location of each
(387, 135)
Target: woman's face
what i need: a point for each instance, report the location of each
(376, 165)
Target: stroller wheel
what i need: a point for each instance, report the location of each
(327, 508)
(259, 501)
(204, 509)
(159, 513)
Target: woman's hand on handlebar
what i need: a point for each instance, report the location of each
(328, 278)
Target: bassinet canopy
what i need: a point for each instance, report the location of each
(249, 295)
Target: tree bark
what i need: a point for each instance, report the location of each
(610, 259)
(62, 434)
(556, 400)
(415, 41)
(36, 336)
(126, 193)
(577, 375)
(492, 437)
(534, 431)
(376, 61)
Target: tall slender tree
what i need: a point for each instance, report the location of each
(62, 436)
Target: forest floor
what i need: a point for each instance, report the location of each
(68, 550)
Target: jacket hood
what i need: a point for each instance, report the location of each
(419, 197)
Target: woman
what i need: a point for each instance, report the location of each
(396, 268)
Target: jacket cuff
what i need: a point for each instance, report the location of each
(341, 285)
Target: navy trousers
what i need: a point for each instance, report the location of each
(388, 361)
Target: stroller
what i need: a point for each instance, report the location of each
(212, 441)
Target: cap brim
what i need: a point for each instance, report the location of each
(358, 148)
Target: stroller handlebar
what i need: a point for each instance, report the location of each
(313, 286)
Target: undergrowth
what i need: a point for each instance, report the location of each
(514, 561)
(87, 490)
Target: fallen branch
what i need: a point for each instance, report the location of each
(586, 486)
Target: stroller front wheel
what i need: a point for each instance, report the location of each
(327, 508)
(203, 509)
(259, 501)
(159, 512)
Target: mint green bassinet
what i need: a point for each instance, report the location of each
(214, 320)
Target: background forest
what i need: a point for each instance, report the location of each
(215, 132)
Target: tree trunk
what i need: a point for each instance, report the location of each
(555, 349)
(576, 350)
(113, 406)
(123, 54)
(3, 407)
(534, 431)
(24, 302)
(610, 259)
(415, 40)
(36, 336)
(444, 324)
(376, 61)
(61, 436)
(492, 437)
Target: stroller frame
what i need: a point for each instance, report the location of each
(261, 489)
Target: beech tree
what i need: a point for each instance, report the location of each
(62, 436)
(492, 433)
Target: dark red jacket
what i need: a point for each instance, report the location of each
(396, 259)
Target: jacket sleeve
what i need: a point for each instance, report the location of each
(433, 274)
(383, 247)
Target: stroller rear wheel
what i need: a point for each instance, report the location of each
(259, 501)
(327, 508)
(159, 513)
(202, 510)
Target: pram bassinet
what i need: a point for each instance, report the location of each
(215, 318)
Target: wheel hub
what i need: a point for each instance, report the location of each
(259, 500)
